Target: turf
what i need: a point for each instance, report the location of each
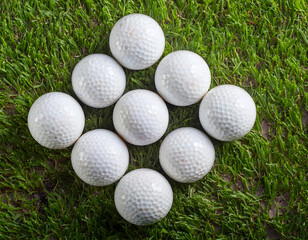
(258, 186)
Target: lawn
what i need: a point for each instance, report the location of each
(258, 186)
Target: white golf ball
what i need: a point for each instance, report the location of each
(186, 155)
(141, 117)
(56, 120)
(182, 78)
(100, 157)
(227, 112)
(137, 41)
(143, 197)
(98, 80)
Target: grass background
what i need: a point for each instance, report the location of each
(258, 186)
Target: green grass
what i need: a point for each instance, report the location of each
(258, 187)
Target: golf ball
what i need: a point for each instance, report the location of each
(186, 155)
(143, 197)
(182, 78)
(100, 157)
(98, 80)
(137, 41)
(227, 112)
(141, 117)
(56, 120)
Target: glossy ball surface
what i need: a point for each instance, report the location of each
(141, 117)
(56, 120)
(227, 112)
(186, 155)
(98, 80)
(143, 197)
(137, 41)
(182, 78)
(100, 157)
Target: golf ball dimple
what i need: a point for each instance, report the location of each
(227, 112)
(98, 80)
(182, 78)
(137, 41)
(56, 120)
(100, 157)
(143, 197)
(141, 117)
(186, 155)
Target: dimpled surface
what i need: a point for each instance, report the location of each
(141, 117)
(227, 112)
(56, 120)
(100, 157)
(182, 78)
(137, 41)
(98, 80)
(186, 154)
(143, 197)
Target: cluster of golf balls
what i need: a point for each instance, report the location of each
(140, 117)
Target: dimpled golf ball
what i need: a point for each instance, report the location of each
(186, 155)
(227, 112)
(56, 120)
(98, 80)
(137, 41)
(143, 197)
(100, 157)
(141, 117)
(182, 78)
